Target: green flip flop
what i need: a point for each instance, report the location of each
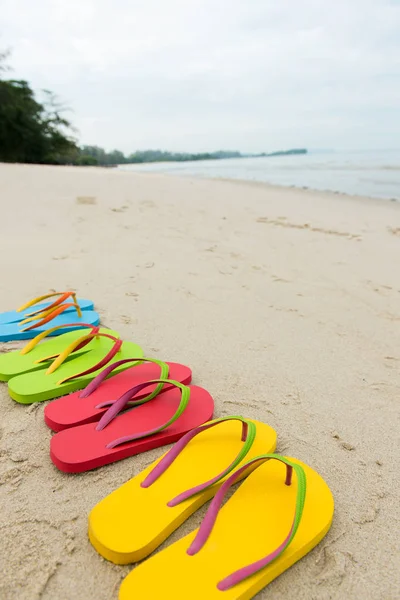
(34, 356)
(71, 370)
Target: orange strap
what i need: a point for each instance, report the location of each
(49, 315)
(62, 296)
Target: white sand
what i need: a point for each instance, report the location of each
(285, 304)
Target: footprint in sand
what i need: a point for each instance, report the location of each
(31, 561)
(86, 200)
(148, 204)
(345, 445)
(281, 223)
(394, 230)
(120, 209)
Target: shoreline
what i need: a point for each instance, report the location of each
(248, 182)
(276, 187)
(137, 169)
(285, 304)
(307, 189)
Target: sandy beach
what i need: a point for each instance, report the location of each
(285, 303)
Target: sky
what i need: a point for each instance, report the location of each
(198, 75)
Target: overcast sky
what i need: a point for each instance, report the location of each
(194, 75)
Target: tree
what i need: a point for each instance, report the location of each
(85, 160)
(116, 157)
(3, 58)
(96, 153)
(31, 131)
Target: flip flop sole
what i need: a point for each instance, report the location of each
(38, 386)
(251, 525)
(12, 316)
(72, 410)
(12, 331)
(132, 521)
(14, 363)
(84, 448)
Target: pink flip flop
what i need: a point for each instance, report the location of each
(82, 407)
(162, 421)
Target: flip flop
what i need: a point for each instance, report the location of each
(267, 525)
(13, 332)
(23, 312)
(150, 425)
(33, 356)
(59, 313)
(135, 519)
(83, 407)
(72, 371)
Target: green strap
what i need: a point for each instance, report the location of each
(123, 401)
(213, 511)
(248, 436)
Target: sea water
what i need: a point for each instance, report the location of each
(374, 174)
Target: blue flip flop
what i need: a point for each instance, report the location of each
(23, 324)
(15, 316)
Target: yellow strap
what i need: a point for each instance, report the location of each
(65, 353)
(57, 310)
(34, 342)
(36, 316)
(46, 358)
(45, 297)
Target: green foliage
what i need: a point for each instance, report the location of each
(287, 152)
(147, 156)
(31, 131)
(100, 156)
(85, 160)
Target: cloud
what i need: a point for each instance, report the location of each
(210, 74)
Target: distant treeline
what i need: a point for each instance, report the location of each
(286, 152)
(37, 131)
(93, 155)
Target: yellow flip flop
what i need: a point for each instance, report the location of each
(269, 523)
(132, 521)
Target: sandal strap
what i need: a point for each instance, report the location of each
(125, 398)
(78, 344)
(248, 437)
(211, 516)
(120, 404)
(98, 380)
(62, 296)
(49, 315)
(34, 342)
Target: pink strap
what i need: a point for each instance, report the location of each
(119, 405)
(208, 522)
(98, 380)
(169, 458)
(248, 571)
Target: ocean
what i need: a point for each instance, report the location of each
(372, 174)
